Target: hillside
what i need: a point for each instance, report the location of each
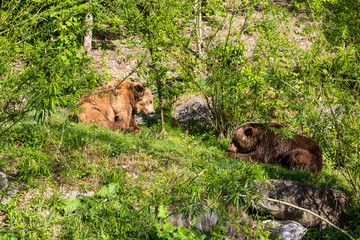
(290, 62)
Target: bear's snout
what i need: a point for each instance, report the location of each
(232, 148)
(150, 110)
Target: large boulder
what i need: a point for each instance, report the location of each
(327, 203)
(191, 108)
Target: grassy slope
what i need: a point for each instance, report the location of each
(150, 170)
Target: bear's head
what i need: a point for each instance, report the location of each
(246, 138)
(143, 99)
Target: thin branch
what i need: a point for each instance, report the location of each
(346, 80)
(142, 12)
(57, 149)
(101, 219)
(300, 93)
(310, 212)
(62, 136)
(22, 114)
(211, 38)
(198, 175)
(187, 71)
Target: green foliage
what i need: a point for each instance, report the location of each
(42, 48)
(340, 19)
(224, 85)
(302, 70)
(329, 233)
(168, 231)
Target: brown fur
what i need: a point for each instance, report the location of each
(115, 108)
(256, 142)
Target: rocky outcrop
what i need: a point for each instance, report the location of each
(327, 203)
(285, 230)
(291, 222)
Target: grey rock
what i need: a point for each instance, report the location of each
(190, 108)
(4, 182)
(178, 220)
(205, 221)
(141, 118)
(7, 189)
(327, 203)
(285, 230)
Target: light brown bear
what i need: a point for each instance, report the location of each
(258, 143)
(115, 108)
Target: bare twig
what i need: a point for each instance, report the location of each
(62, 135)
(15, 122)
(101, 219)
(198, 175)
(142, 12)
(57, 149)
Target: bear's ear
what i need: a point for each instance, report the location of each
(139, 91)
(248, 132)
(139, 88)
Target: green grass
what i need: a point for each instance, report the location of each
(178, 169)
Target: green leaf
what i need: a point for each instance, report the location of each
(182, 233)
(109, 191)
(8, 236)
(163, 213)
(71, 204)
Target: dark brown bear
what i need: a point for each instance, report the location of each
(258, 143)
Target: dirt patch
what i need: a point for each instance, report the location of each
(64, 191)
(116, 57)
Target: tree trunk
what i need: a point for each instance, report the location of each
(198, 25)
(88, 33)
(159, 88)
(158, 81)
